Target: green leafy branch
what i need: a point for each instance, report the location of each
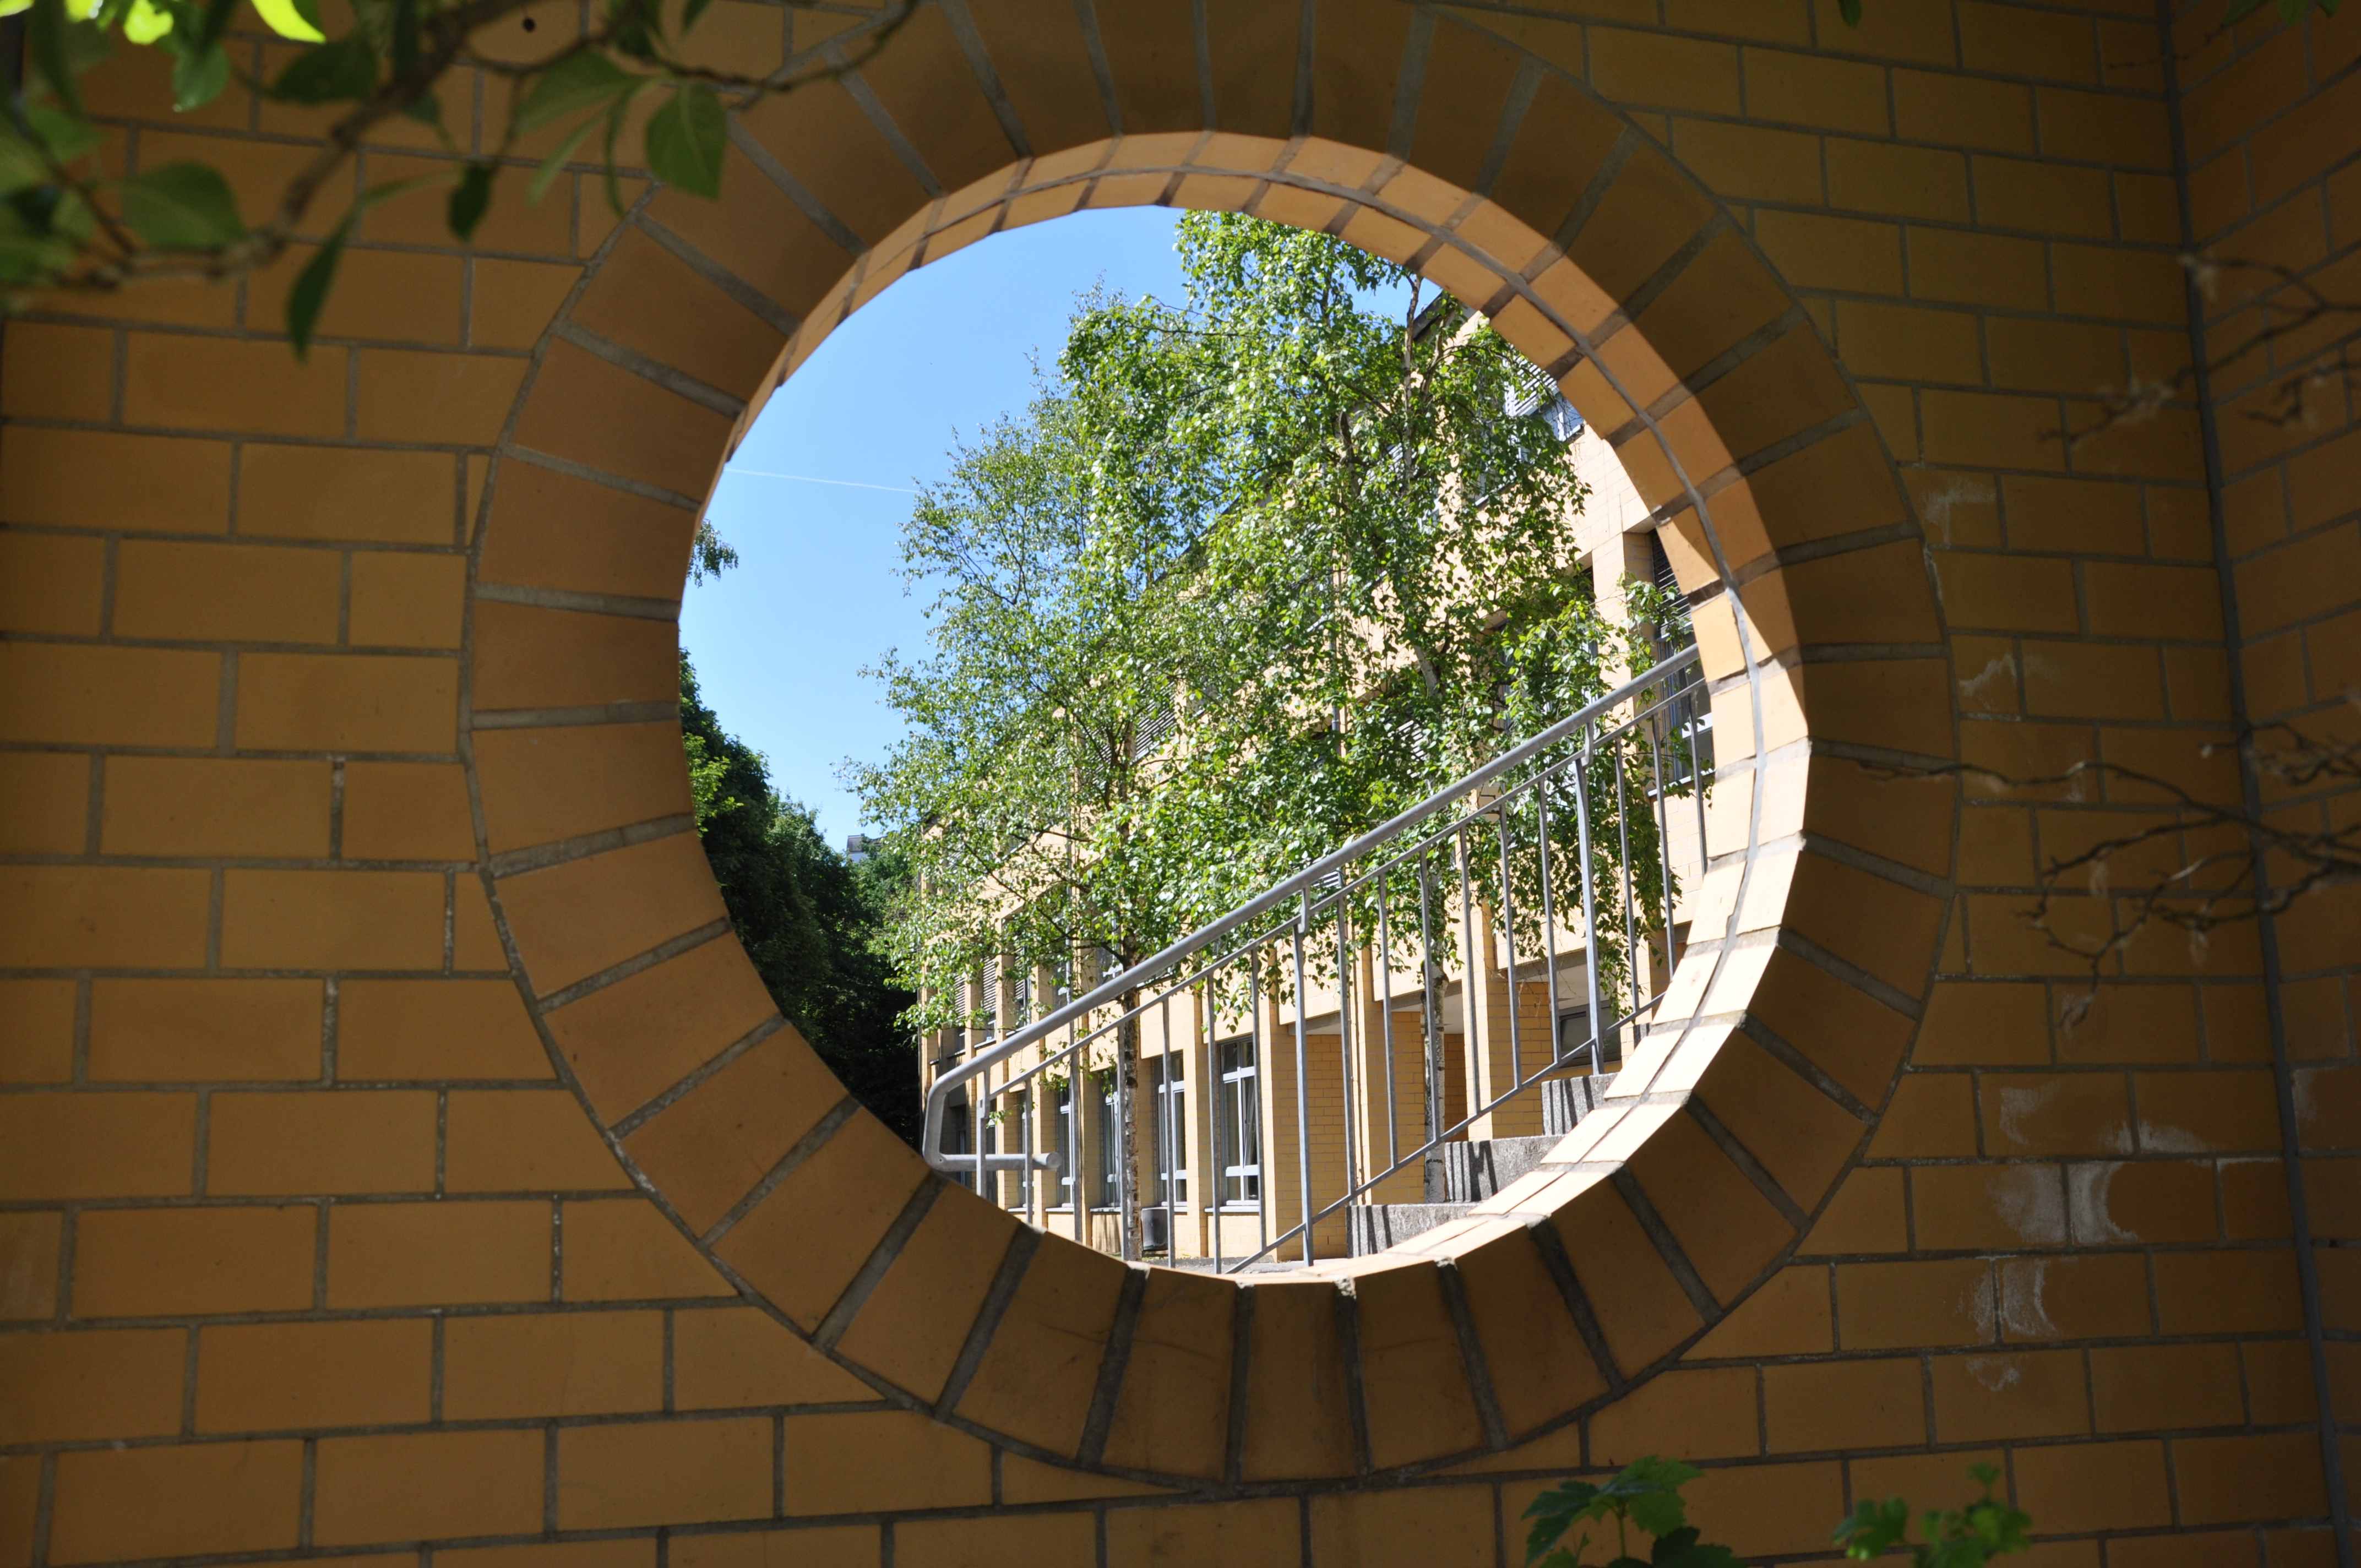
(1646, 1492)
(67, 225)
(1956, 1538)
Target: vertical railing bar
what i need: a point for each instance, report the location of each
(1126, 1176)
(1664, 817)
(1386, 1017)
(1589, 897)
(1508, 935)
(1467, 958)
(1430, 1016)
(1302, 1095)
(1696, 773)
(1344, 1024)
(1262, 1076)
(1216, 1197)
(1549, 907)
(1626, 885)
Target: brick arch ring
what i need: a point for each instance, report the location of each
(1493, 171)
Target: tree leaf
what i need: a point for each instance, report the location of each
(291, 21)
(181, 207)
(470, 201)
(426, 109)
(686, 139)
(1850, 11)
(340, 71)
(48, 28)
(217, 18)
(691, 11)
(585, 81)
(144, 22)
(555, 164)
(310, 289)
(199, 75)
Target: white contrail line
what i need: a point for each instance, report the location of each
(814, 479)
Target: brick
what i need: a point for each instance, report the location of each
(543, 786)
(1961, 111)
(422, 1485)
(1260, 1530)
(211, 805)
(1813, 1406)
(529, 657)
(524, 1141)
(1415, 1384)
(394, 1030)
(613, 541)
(1676, 73)
(444, 400)
(552, 1363)
(96, 1145)
(52, 583)
(78, 695)
(325, 492)
(80, 917)
(663, 1472)
(608, 1553)
(1802, 89)
(1931, 1116)
(586, 409)
(285, 1376)
(710, 1149)
(407, 600)
(347, 702)
(2227, 1292)
(155, 1261)
(2092, 681)
(2098, 1485)
(725, 1357)
(338, 1141)
(1749, 162)
(2257, 1476)
(1849, 254)
(2056, 1113)
(1447, 1526)
(386, 295)
(1708, 1413)
(1789, 1314)
(513, 302)
(407, 811)
(77, 381)
(149, 483)
(1907, 342)
(914, 1323)
(868, 1462)
(649, 299)
(576, 918)
(114, 1504)
(1866, 1214)
(418, 1255)
(2016, 1393)
(30, 1247)
(2074, 515)
(303, 919)
(249, 386)
(622, 1249)
(229, 592)
(2155, 1387)
(2098, 127)
(1988, 1206)
(37, 1030)
(50, 791)
(1897, 182)
(1905, 1305)
(116, 1383)
(2215, 1111)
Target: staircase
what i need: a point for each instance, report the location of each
(1470, 1172)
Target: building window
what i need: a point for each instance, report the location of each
(1168, 1074)
(1107, 1134)
(956, 1128)
(1238, 1125)
(1063, 1114)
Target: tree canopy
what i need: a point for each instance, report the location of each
(808, 917)
(1255, 571)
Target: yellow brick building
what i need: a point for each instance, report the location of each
(400, 1158)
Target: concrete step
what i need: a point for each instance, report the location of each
(1472, 1172)
(1376, 1226)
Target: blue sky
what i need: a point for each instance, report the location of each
(778, 643)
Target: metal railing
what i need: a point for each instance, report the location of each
(1473, 879)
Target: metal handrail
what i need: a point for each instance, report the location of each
(938, 1094)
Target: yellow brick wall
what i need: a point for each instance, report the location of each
(398, 1151)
